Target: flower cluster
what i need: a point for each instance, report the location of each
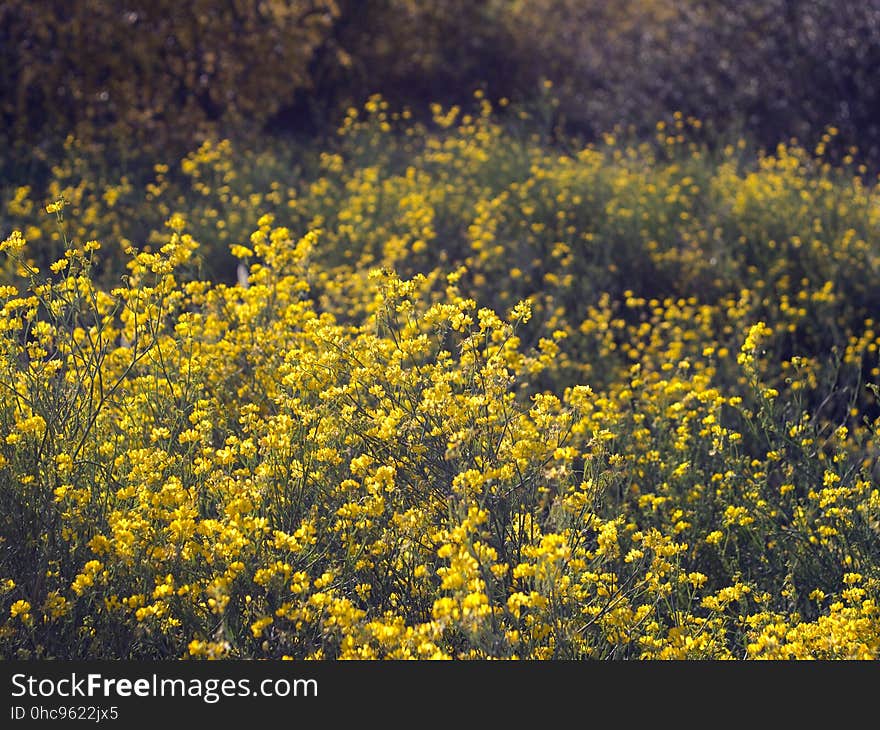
(495, 402)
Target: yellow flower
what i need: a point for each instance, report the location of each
(14, 243)
(259, 626)
(21, 610)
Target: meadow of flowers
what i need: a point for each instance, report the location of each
(443, 390)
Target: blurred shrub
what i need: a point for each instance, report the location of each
(412, 52)
(163, 72)
(771, 68)
(151, 72)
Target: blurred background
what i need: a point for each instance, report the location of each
(161, 74)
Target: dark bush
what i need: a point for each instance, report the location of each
(164, 72)
(152, 71)
(770, 68)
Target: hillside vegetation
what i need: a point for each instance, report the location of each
(443, 385)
